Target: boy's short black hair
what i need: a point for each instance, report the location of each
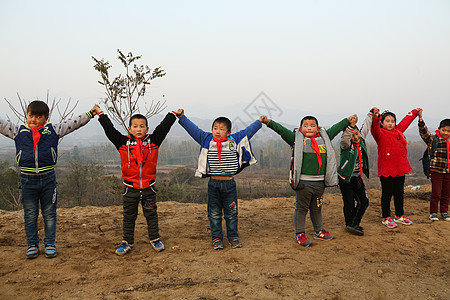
(38, 108)
(388, 113)
(309, 118)
(138, 116)
(223, 120)
(444, 123)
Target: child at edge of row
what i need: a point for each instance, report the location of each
(36, 155)
(314, 168)
(393, 163)
(439, 167)
(354, 162)
(138, 158)
(222, 155)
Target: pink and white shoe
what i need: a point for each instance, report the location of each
(389, 222)
(403, 219)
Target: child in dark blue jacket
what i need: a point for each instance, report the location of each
(36, 155)
(222, 156)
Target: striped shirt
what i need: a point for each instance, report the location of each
(229, 158)
(357, 168)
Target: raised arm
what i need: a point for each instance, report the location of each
(161, 131)
(287, 135)
(8, 129)
(338, 127)
(71, 125)
(425, 134)
(365, 127)
(346, 139)
(249, 131)
(112, 133)
(196, 133)
(407, 120)
(375, 128)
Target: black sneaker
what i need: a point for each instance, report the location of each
(217, 244)
(356, 230)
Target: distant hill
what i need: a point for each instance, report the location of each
(92, 133)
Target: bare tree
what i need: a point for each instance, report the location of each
(125, 92)
(64, 112)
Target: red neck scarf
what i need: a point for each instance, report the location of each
(316, 149)
(359, 157)
(139, 152)
(219, 145)
(448, 147)
(36, 136)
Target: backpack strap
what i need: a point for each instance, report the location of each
(433, 146)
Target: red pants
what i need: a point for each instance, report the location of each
(440, 192)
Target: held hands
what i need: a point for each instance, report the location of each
(420, 114)
(96, 110)
(375, 111)
(353, 120)
(264, 119)
(179, 112)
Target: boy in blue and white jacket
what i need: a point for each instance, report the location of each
(222, 156)
(36, 155)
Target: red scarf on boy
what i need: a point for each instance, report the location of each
(448, 147)
(219, 145)
(139, 153)
(36, 136)
(359, 157)
(316, 149)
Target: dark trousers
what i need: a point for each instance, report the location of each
(440, 192)
(131, 199)
(392, 186)
(355, 200)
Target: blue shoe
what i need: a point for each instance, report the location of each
(235, 243)
(157, 245)
(445, 216)
(123, 248)
(50, 251)
(32, 252)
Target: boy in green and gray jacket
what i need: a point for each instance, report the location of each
(314, 168)
(354, 162)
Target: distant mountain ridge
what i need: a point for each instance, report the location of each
(93, 134)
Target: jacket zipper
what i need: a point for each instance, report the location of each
(36, 159)
(140, 176)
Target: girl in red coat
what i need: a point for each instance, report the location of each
(393, 163)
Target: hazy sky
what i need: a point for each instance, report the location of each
(308, 57)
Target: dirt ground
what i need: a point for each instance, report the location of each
(409, 262)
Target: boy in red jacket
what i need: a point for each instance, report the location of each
(138, 156)
(393, 163)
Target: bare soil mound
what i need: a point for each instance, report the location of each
(410, 262)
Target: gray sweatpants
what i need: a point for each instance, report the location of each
(307, 195)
